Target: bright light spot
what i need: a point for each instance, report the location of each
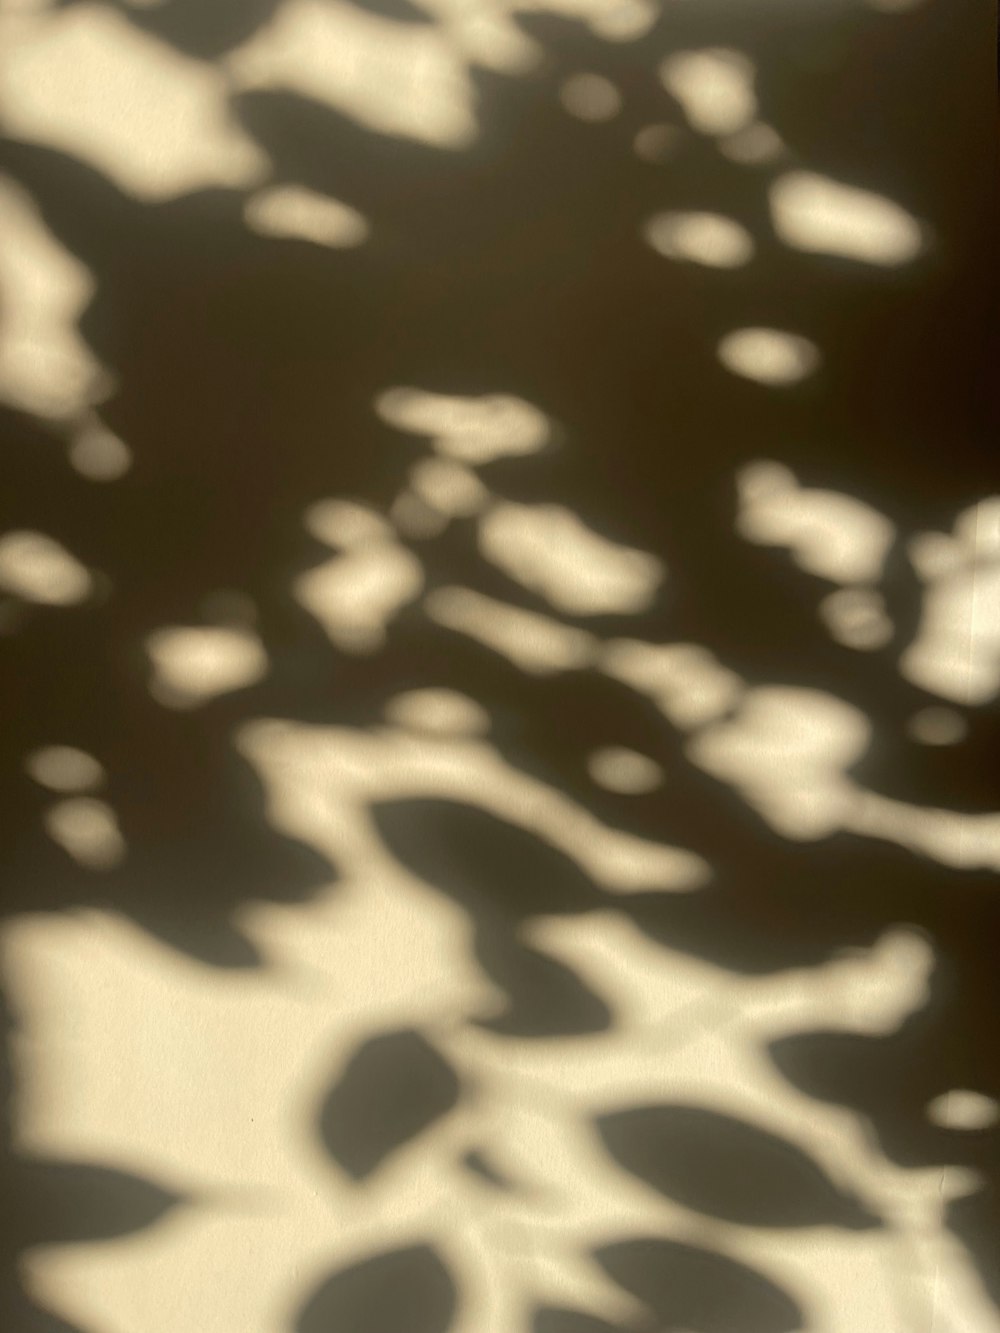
(828, 533)
(962, 1109)
(438, 712)
(701, 238)
(64, 768)
(86, 81)
(99, 454)
(470, 430)
(769, 356)
(786, 751)
(343, 524)
(657, 143)
(293, 211)
(687, 683)
(714, 87)
(625, 771)
(624, 22)
(45, 366)
(405, 79)
(448, 487)
(590, 97)
(192, 665)
(856, 618)
(755, 146)
(88, 831)
(355, 596)
(814, 213)
(534, 643)
(938, 726)
(547, 549)
(956, 653)
(37, 569)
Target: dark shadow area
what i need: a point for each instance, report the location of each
(246, 370)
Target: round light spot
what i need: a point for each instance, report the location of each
(625, 771)
(590, 97)
(769, 356)
(438, 712)
(37, 569)
(64, 768)
(856, 618)
(962, 1109)
(192, 665)
(98, 454)
(448, 487)
(700, 238)
(937, 726)
(88, 830)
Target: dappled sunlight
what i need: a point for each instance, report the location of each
(470, 430)
(86, 81)
(700, 238)
(45, 366)
(399, 79)
(97, 453)
(192, 664)
(306, 215)
(828, 533)
(498, 636)
(769, 356)
(814, 213)
(64, 768)
(534, 642)
(87, 829)
(37, 568)
(715, 88)
(956, 653)
(548, 550)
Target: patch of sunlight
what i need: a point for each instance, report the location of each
(447, 487)
(814, 213)
(700, 238)
(37, 568)
(549, 550)
(535, 643)
(87, 830)
(192, 664)
(355, 596)
(963, 1109)
(956, 652)
(64, 768)
(45, 365)
(292, 211)
(403, 79)
(98, 453)
(619, 769)
(686, 682)
(769, 356)
(714, 86)
(86, 81)
(470, 430)
(856, 617)
(787, 751)
(437, 712)
(827, 532)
